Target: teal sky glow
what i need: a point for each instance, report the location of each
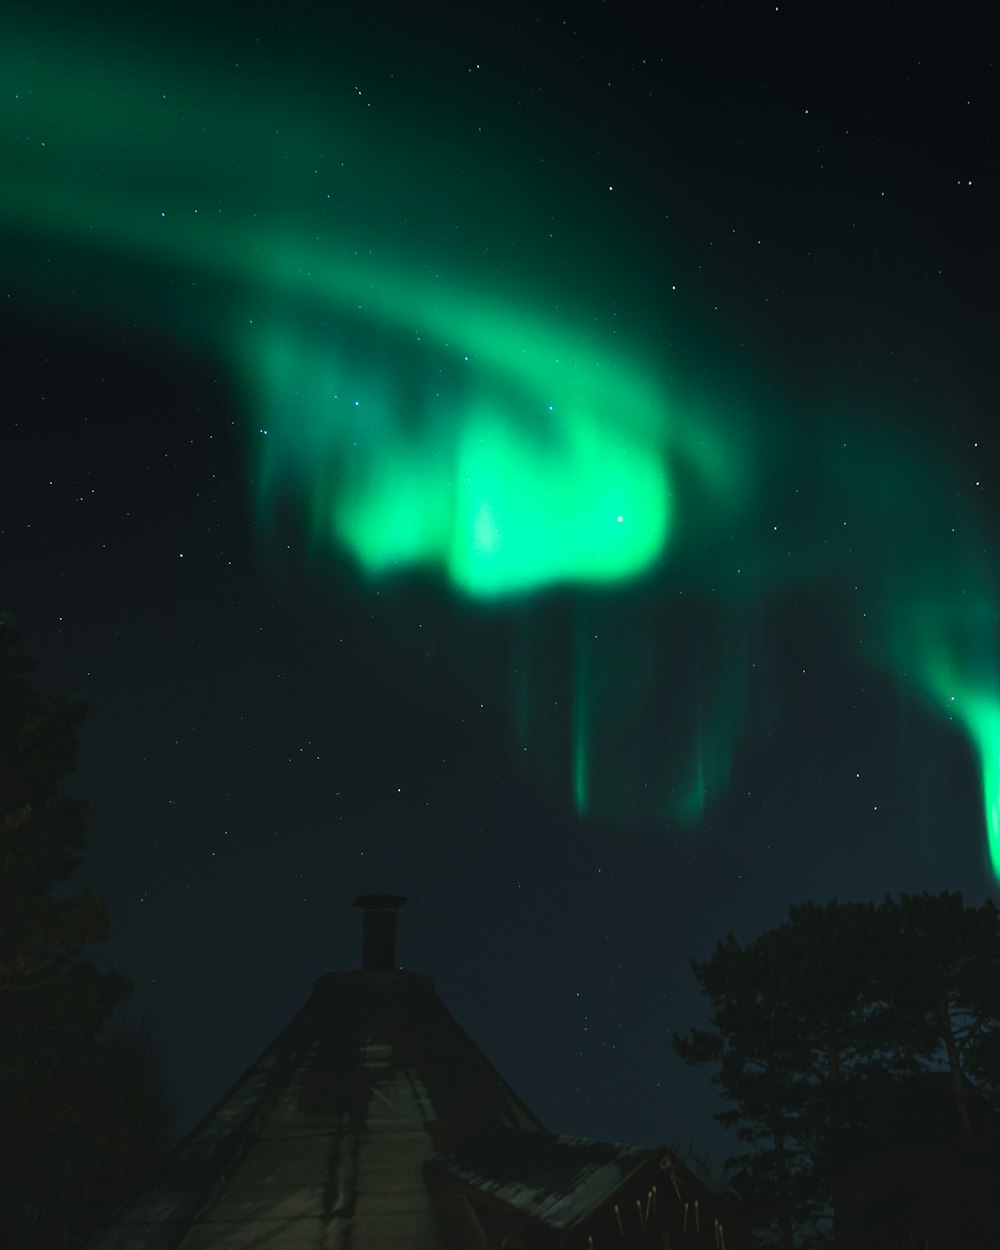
(464, 363)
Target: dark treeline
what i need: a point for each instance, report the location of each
(858, 1048)
(84, 1113)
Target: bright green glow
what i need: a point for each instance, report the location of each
(979, 714)
(932, 606)
(425, 418)
(504, 492)
(988, 740)
(948, 648)
(452, 364)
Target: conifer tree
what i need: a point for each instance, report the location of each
(833, 1036)
(53, 1002)
(949, 975)
(754, 1042)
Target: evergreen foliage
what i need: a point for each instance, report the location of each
(857, 1047)
(76, 1120)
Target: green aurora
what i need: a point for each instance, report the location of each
(457, 363)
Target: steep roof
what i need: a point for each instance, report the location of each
(540, 1182)
(321, 1143)
(373, 1122)
(548, 1192)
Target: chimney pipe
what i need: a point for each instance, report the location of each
(379, 948)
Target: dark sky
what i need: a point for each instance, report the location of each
(773, 228)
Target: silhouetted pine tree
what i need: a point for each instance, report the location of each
(754, 1040)
(841, 1039)
(64, 1098)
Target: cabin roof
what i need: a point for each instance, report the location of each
(554, 1182)
(329, 1129)
(374, 1122)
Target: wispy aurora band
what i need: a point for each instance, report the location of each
(434, 403)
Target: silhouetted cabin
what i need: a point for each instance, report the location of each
(373, 1122)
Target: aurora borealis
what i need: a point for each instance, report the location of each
(609, 411)
(421, 413)
(431, 406)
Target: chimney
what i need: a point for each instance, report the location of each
(379, 951)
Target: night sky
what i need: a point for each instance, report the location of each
(538, 460)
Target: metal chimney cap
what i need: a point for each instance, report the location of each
(370, 901)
